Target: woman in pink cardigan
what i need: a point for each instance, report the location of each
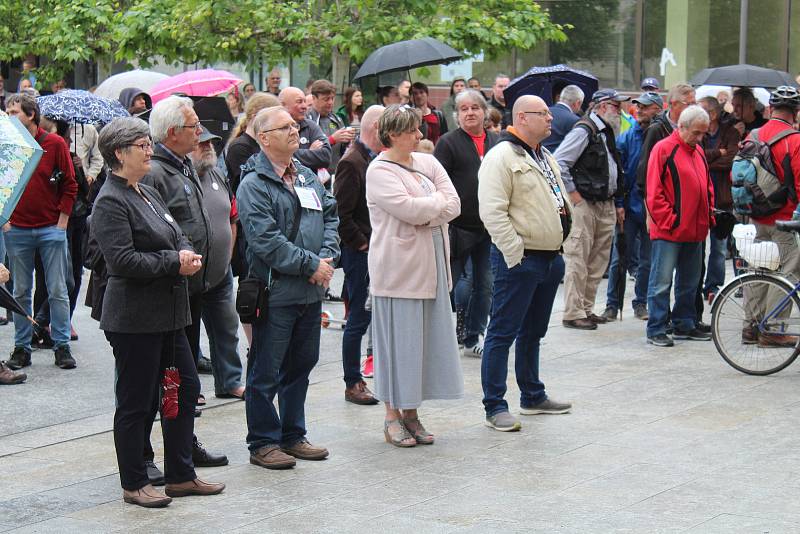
(410, 200)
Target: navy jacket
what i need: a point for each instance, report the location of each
(563, 121)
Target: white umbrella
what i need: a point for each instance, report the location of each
(141, 79)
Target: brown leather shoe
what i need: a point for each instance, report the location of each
(597, 319)
(776, 340)
(9, 376)
(272, 457)
(306, 451)
(749, 336)
(194, 487)
(580, 324)
(147, 496)
(360, 394)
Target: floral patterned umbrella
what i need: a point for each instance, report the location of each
(75, 105)
(19, 156)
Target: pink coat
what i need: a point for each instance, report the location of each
(401, 253)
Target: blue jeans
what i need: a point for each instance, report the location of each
(523, 299)
(685, 261)
(51, 243)
(633, 229)
(222, 327)
(284, 351)
(480, 296)
(715, 273)
(356, 281)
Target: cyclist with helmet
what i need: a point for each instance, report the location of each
(785, 103)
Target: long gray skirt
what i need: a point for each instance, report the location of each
(414, 344)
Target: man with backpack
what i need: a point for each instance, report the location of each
(765, 188)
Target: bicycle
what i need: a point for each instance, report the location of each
(755, 318)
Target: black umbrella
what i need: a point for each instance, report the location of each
(8, 302)
(407, 55)
(743, 76)
(622, 267)
(215, 115)
(547, 83)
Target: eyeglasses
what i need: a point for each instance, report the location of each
(145, 146)
(542, 114)
(285, 128)
(195, 126)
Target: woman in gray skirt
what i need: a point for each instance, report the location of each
(410, 200)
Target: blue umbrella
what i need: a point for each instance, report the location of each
(19, 156)
(75, 105)
(547, 82)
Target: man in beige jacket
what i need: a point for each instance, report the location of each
(523, 206)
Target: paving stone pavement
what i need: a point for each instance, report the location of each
(659, 440)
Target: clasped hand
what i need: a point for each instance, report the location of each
(190, 262)
(324, 273)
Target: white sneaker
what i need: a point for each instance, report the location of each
(475, 351)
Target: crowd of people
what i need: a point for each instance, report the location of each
(454, 227)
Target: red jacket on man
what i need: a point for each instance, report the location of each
(42, 202)
(680, 192)
(788, 145)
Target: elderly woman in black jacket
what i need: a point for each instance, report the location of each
(145, 308)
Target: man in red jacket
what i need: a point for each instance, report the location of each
(784, 102)
(39, 224)
(680, 195)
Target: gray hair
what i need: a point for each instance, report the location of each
(120, 134)
(713, 104)
(678, 92)
(692, 114)
(264, 117)
(397, 119)
(474, 96)
(168, 113)
(571, 94)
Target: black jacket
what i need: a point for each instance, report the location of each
(350, 190)
(239, 151)
(180, 189)
(659, 129)
(144, 292)
(457, 153)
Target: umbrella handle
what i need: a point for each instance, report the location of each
(28, 317)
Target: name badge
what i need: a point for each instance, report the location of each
(303, 140)
(215, 186)
(187, 189)
(169, 218)
(308, 198)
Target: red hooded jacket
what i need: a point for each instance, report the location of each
(680, 192)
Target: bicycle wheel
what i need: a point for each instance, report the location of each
(743, 338)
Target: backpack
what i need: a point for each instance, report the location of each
(756, 189)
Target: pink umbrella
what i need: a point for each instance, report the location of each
(205, 82)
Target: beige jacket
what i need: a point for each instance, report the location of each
(515, 202)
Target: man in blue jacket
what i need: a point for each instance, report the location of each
(634, 229)
(290, 225)
(566, 113)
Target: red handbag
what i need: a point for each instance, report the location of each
(169, 398)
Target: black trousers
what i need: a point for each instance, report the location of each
(193, 330)
(140, 363)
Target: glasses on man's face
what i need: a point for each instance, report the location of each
(542, 114)
(286, 128)
(145, 146)
(195, 126)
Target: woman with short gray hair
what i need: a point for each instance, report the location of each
(144, 310)
(410, 200)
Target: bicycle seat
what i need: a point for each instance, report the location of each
(788, 226)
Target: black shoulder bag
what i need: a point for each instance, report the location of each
(252, 295)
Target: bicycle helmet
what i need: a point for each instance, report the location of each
(786, 96)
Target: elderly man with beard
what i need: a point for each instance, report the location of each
(593, 177)
(634, 229)
(217, 309)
